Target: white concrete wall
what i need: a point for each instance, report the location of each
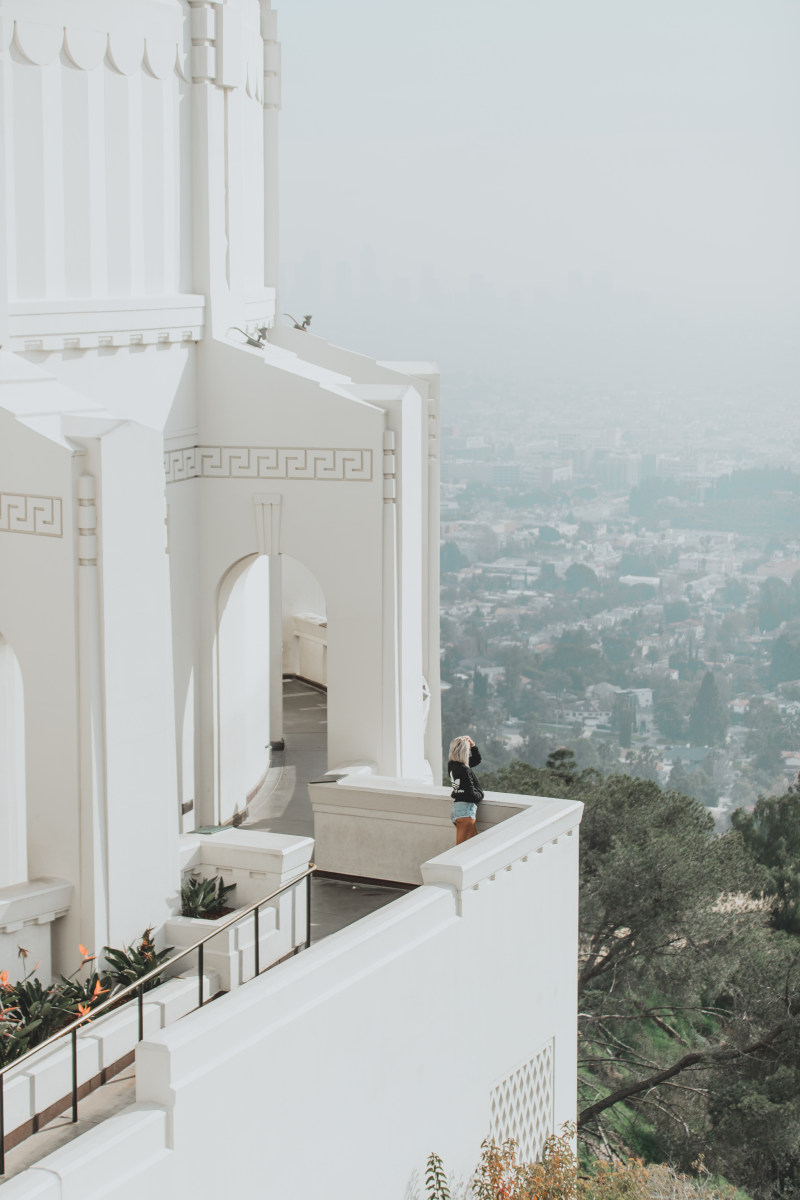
(13, 802)
(243, 683)
(406, 1032)
(38, 618)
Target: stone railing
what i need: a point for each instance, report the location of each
(377, 828)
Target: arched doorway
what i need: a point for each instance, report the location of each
(270, 667)
(304, 623)
(13, 823)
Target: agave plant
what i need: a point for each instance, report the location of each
(204, 897)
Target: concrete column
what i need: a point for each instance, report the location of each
(275, 653)
(94, 920)
(5, 178)
(13, 847)
(207, 731)
(431, 661)
(390, 690)
(272, 100)
(208, 181)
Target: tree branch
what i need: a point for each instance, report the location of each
(694, 1059)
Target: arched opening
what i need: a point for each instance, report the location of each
(304, 623)
(271, 675)
(13, 823)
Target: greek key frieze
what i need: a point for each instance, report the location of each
(41, 516)
(276, 462)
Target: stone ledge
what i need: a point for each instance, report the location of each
(36, 902)
(544, 820)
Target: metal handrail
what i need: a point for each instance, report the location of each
(139, 987)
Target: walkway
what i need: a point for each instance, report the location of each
(282, 805)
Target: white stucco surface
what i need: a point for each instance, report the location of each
(193, 500)
(413, 1021)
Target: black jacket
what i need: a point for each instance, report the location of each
(465, 785)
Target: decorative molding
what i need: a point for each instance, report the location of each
(268, 523)
(87, 522)
(204, 32)
(271, 88)
(433, 429)
(126, 49)
(41, 516)
(521, 1105)
(225, 47)
(389, 467)
(37, 902)
(88, 324)
(335, 464)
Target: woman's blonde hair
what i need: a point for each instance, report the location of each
(459, 750)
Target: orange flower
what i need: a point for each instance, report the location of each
(83, 1010)
(4, 979)
(98, 990)
(87, 957)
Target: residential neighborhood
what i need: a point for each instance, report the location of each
(593, 579)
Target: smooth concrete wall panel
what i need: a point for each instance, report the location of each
(153, 385)
(139, 715)
(38, 618)
(13, 803)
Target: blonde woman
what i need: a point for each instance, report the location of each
(467, 793)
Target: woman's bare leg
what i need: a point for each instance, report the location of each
(466, 828)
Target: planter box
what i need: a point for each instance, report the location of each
(258, 863)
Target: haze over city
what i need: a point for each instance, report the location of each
(592, 197)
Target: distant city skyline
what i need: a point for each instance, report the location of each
(601, 196)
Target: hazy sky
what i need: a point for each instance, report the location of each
(604, 192)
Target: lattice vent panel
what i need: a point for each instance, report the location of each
(522, 1105)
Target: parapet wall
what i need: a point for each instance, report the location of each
(448, 1015)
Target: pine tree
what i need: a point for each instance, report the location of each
(562, 762)
(708, 719)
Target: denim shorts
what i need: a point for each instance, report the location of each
(463, 808)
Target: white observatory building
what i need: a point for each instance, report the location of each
(198, 502)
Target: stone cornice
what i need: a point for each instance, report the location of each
(117, 321)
